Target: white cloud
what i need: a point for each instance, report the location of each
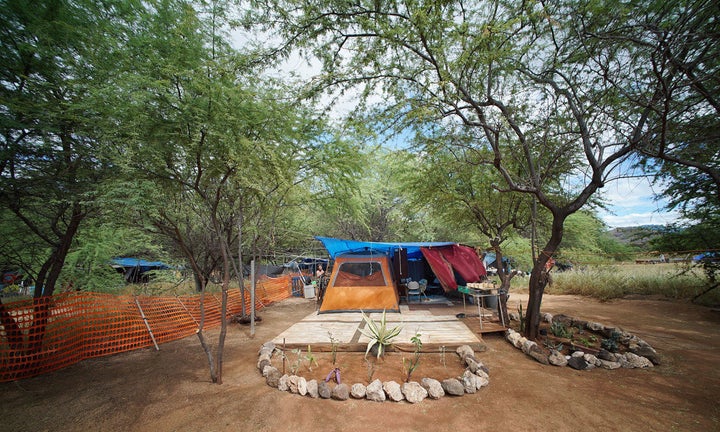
(631, 202)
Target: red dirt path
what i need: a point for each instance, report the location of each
(169, 390)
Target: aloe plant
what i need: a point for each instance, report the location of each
(379, 334)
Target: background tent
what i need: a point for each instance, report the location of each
(135, 270)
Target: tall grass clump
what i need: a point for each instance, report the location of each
(615, 281)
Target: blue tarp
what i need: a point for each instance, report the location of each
(337, 247)
(139, 263)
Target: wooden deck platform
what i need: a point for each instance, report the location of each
(438, 331)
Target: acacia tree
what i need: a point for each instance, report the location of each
(680, 41)
(54, 56)
(517, 75)
(452, 185)
(213, 149)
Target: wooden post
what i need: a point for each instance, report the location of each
(186, 310)
(252, 298)
(145, 320)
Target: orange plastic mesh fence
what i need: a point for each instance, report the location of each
(47, 334)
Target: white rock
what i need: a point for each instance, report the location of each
(374, 391)
(284, 383)
(433, 387)
(302, 387)
(414, 392)
(393, 391)
(358, 391)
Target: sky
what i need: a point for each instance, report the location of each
(631, 203)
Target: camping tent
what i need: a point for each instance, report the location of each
(451, 264)
(361, 282)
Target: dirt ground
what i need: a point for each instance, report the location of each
(169, 390)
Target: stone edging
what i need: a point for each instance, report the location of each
(475, 377)
(639, 355)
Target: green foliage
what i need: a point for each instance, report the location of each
(56, 59)
(612, 343)
(333, 347)
(559, 329)
(411, 364)
(586, 240)
(310, 358)
(87, 266)
(379, 334)
(295, 366)
(551, 346)
(700, 236)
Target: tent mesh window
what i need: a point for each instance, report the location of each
(360, 274)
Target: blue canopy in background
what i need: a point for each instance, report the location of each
(337, 247)
(139, 263)
(135, 270)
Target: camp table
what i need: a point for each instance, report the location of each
(480, 291)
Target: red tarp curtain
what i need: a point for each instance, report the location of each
(446, 260)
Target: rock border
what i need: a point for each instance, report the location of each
(475, 377)
(639, 355)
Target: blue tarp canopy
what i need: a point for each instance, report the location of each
(139, 263)
(337, 247)
(135, 270)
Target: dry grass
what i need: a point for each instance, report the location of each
(607, 282)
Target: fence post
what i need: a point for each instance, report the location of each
(145, 320)
(252, 298)
(186, 310)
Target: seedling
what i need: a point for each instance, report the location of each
(412, 364)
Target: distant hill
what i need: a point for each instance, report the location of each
(638, 236)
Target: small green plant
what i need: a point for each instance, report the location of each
(370, 370)
(551, 346)
(558, 329)
(611, 343)
(380, 335)
(295, 366)
(283, 357)
(333, 347)
(412, 364)
(311, 359)
(585, 341)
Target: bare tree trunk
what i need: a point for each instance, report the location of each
(45, 287)
(223, 304)
(241, 281)
(201, 337)
(202, 281)
(505, 279)
(539, 278)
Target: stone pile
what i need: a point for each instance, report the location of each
(639, 353)
(475, 377)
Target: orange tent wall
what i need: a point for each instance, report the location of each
(342, 295)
